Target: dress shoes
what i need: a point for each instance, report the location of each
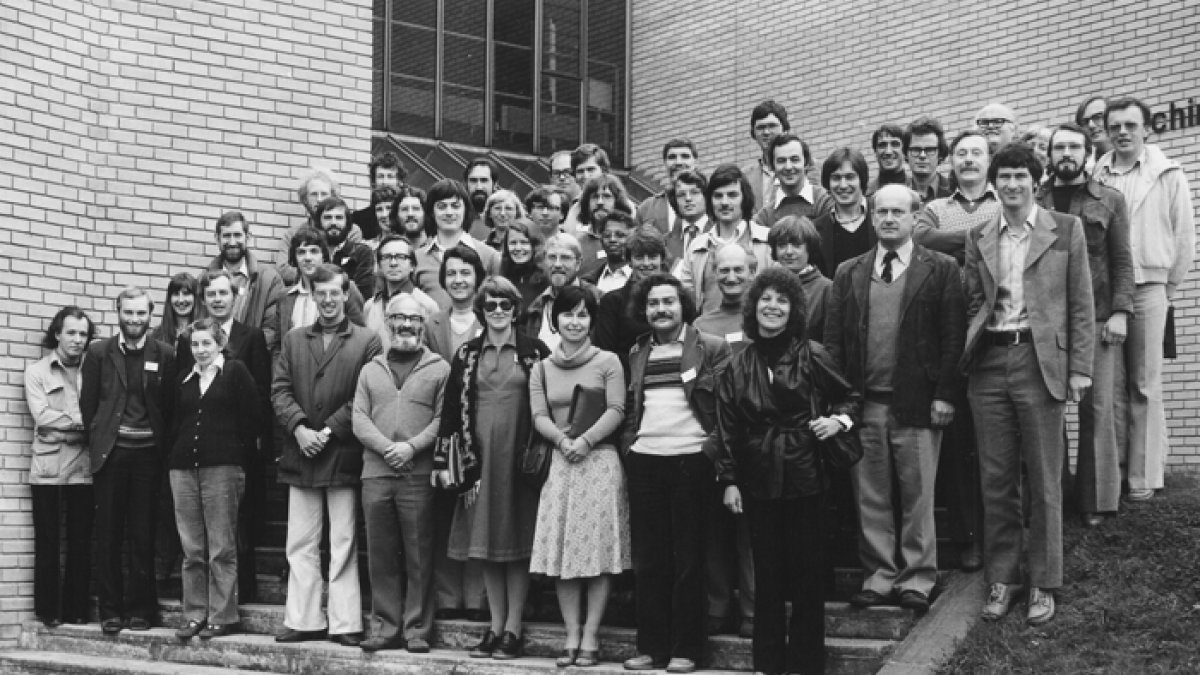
(1000, 599)
(347, 639)
(914, 600)
(292, 635)
(215, 630)
(190, 630)
(509, 647)
(869, 598)
(486, 646)
(681, 665)
(137, 623)
(380, 643)
(418, 646)
(111, 626)
(1041, 607)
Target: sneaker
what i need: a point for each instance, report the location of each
(1139, 495)
(1041, 607)
(1000, 599)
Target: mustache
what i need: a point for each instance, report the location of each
(662, 315)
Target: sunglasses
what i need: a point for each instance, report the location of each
(504, 305)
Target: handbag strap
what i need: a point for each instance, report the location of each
(545, 393)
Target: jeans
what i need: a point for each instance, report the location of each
(206, 508)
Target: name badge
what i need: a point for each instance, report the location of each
(734, 337)
(601, 255)
(688, 375)
(152, 366)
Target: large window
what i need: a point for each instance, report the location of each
(529, 76)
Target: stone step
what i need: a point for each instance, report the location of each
(262, 653)
(25, 662)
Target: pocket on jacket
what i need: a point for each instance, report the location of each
(47, 460)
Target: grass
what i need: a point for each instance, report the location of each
(1130, 602)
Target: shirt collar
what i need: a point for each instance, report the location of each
(903, 254)
(434, 247)
(241, 270)
(140, 344)
(623, 271)
(989, 191)
(511, 341)
(806, 192)
(1029, 220)
(681, 338)
(218, 365)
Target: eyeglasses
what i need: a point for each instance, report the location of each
(1095, 120)
(394, 257)
(561, 173)
(1127, 126)
(992, 123)
(503, 304)
(916, 150)
(406, 318)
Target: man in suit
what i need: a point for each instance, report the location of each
(127, 381)
(768, 120)
(1028, 351)
(895, 323)
(257, 288)
(679, 155)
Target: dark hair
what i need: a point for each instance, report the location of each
(923, 126)
(568, 298)
(782, 140)
(180, 282)
(641, 294)
(1123, 102)
(307, 236)
(230, 217)
(614, 185)
(590, 151)
(794, 229)
(327, 272)
(783, 282)
(679, 143)
(1072, 127)
(497, 287)
(209, 276)
(50, 338)
(510, 268)
(727, 174)
(837, 158)
(403, 193)
(691, 177)
(492, 168)
(386, 194)
(618, 216)
(646, 241)
(766, 109)
(889, 129)
(964, 135)
(389, 239)
(1016, 155)
(468, 256)
(210, 325)
(388, 160)
(447, 189)
(1082, 109)
(329, 204)
(540, 195)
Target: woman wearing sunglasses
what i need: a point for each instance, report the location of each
(485, 410)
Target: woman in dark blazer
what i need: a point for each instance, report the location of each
(212, 437)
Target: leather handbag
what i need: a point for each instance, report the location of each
(533, 465)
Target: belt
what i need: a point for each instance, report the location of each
(1009, 338)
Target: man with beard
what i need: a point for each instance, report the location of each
(257, 288)
(397, 462)
(588, 161)
(321, 461)
(545, 208)
(333, 218)
(482, 178)
(1162, 236)
(795, 196)
(668, 457)
(315, 187)
(925, 146)
(613, 271)
(601, 195)
(1110, 260)
(729, 202)
(407, 218)
(126, 384)
(384, 171)
(679, 155)
(616, 330)
(768, 121)
(729, 563)
(888, 144)
(998, 125)
(560, 264)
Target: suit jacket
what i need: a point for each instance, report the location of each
(248, 345)
(102, 397)
(1058, 294)
(754, 173)
(439, 337)
(659, 213)
(315, 386)
(929, 334)
(705, 356)
(261, 309)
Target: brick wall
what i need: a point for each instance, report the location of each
(126, 128)
(843, 69)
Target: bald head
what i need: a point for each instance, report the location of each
(735, 268)
(998, 123)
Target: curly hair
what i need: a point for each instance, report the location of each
(786, 283)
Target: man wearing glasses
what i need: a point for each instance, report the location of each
(1090, 116)
(925, 147)
(1162, 235)
(768, 120)
(998, 124)
(562, 176)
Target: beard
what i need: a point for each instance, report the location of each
(233, 254)
(479, 200)
(407, 343)
(1067, 171)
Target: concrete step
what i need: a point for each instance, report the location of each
(262, 653)
(22, 662)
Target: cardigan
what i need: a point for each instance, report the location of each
(217, 428)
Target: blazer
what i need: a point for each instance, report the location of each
(705, 356)
(262, 306)
(315, 386)
(439, 337)
(102, 396)
(1058, 294)
(929, 335)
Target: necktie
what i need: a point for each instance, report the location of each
(886, 275)
(689, 233)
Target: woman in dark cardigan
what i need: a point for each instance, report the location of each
(212, 435)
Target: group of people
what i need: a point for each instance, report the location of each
(692, 361)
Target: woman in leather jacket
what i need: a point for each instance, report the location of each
(772, 471)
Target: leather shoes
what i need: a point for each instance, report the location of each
(1000, 599)
(509, 647)
(292, 635)
(681, 665)
(914, 600)
(214, 630)
(641, 662)
(418, 646)
(138, 623)
(111, 626)
(379, 643)
(347, 639)
(190, 630)
(869, 598)
(485, 647)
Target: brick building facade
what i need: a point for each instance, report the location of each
(127, 127)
